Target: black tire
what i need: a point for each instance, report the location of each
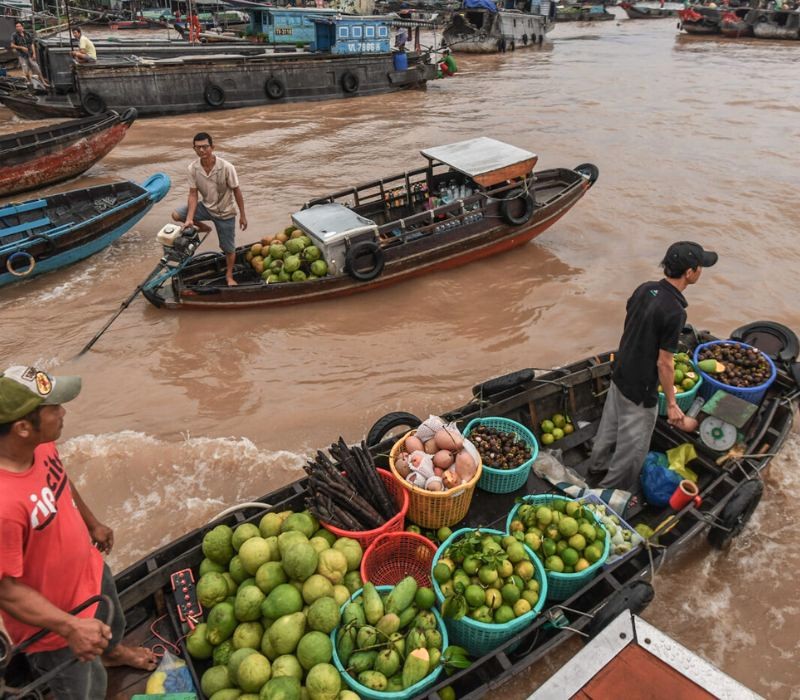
(512, 202)
(634, 596)
(93, 104)
(384, 426)
(503, 383)
(359, 250)
(350, 83)
(214, 95)
(590, 170)
(774, 339)
(737, 511)
(275, 89)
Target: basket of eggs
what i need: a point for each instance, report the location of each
(440, 469)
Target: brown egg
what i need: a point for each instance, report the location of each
(443, 459)
(448, 440)
(465, 465)
(413, 443)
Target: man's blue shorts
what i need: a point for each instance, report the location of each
(226, 228)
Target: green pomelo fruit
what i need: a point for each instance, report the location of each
(281, 688)
(286, 632)
(332, 565)
(217, 545)
(247, 607)
(243, 533)
(270, 525)
(287, 665)
(253, 673)
(253, 553)
(323, 615)
(248, 635)
(196, 643)
(269, 576)
(207, 565)
(214, 679)
(314, 648)
(287, 540)
(284, 599)
(212, 588)
(300, 561)
(323, 682)
(352, 552)
(316, 586)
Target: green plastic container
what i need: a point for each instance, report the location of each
(684, 399)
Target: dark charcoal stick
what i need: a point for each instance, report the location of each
(354, 502)
(383, 500)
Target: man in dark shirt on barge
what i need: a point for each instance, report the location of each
(23, 45)
(655, 317)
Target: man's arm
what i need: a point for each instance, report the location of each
(102, 535)
(15, 45)
(87, 637)
(237, 195)
(191, 206)
(666, 376)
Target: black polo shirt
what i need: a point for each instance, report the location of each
(654, 320)
(25, 40)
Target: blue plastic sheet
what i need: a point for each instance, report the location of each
(658, 480)
(480, 5)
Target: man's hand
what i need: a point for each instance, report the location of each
(675, 416)
(88, 637)
(188, 223)
(242, 222)
(102, 537)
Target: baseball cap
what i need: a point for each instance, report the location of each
(22, 389)
(685, 254)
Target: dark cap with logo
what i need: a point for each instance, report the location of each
(684, 255)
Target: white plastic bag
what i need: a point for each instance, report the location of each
(432, 425)
(548, 466)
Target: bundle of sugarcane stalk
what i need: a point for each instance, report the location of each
(348, 493)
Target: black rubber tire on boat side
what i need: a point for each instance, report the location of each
(504, 383)
(737, 511)
(634, 596)
(360, 249)
(275, 88)
(214, 95)
(350, 82)
(93, 103)
(590, 170)
(384, 426)
(790, 345)
(515, 196)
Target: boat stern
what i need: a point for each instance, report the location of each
(157, 186)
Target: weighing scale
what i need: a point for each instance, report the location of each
(727, 414)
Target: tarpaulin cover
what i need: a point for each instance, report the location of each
(480, 5)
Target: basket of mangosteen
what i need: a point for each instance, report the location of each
(440, 470)
(734, 367)
(508, 451)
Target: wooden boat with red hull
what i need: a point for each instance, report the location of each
(474, 199)
(734, 22)
(700, 20)
(45, 156)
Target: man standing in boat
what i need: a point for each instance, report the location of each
(86, 52)
(22, 43)
(51, 544)
(656, 315)
(215, 179)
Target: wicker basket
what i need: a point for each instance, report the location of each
(562, 586)
(479, 638)
(394, 555)
(505, 480)
(394, 524)
(411, 691)
(435, 509)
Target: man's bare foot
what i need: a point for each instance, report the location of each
(136, 657)
(232, 282)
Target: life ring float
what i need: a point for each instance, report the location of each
(508, 205)
(93, 103)
(365, 249)
(17, 272)
(350, 82)
(275, 88)
(214, 95)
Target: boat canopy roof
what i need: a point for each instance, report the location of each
(487, 161)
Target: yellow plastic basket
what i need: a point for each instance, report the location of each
(435, 509)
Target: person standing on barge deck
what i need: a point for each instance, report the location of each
(51, 544)
(655, 317)
(23, 45)
(216, 180)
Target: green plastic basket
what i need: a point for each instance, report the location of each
(684, 399)
(479, 638)
(505, 480)
(562, 586)
(412, 690)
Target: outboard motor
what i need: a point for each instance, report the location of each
(179, 243)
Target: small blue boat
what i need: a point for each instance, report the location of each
(45, 234)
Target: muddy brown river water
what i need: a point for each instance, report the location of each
(183, 414)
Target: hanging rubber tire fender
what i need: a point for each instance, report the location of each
(214, 95)
(634, 596)
(275, 88)
(360, 249)
(784, 345)
(737, 511)
(93, 103)
(506, 208)
(350, 82)
(506, 382)
(384, 426)
(588, 170)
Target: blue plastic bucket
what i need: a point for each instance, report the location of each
(753, 394)
(400, 60)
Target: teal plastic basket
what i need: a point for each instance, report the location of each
(562, 586)
(479, 638)
(505, 480)
(411, 691)
(684, 399)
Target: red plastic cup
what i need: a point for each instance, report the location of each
(686, 492)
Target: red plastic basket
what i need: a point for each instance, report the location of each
(395, 555)
(395, 524)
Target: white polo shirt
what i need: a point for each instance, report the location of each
(216, 188)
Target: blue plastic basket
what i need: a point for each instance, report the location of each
(479, 638)
(505, 480)
(753, 394)
(562, 586)
(684, 399)
(409, 692)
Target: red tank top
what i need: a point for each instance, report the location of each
(44, 542)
